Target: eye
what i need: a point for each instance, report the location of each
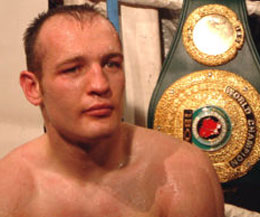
(114, 64)
(73, 69)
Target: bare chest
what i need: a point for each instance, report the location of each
(92, 202)
(60, 198)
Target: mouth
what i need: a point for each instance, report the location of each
(99, 110)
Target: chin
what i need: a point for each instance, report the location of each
(101, 130)
(90, 136)
(96, 128)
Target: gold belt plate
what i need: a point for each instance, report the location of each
(212, 34)
(227, 103)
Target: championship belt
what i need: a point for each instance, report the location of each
(208, 90)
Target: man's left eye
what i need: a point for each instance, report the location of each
(112, 64)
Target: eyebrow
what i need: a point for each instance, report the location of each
(82, 59)
(111, 55)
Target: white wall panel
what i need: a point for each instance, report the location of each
(19, 120)
(142, 51)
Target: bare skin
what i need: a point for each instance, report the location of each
(174, 179)
(89, 163)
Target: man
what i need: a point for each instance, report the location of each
(89, 163)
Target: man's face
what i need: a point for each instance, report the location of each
(83, 80)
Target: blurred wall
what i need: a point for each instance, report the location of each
(19, 120)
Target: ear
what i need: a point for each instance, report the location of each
(31, 87)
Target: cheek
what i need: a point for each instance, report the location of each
(118, 87)
(61, 87)
(60, 94)
(123, 84)
(119, 82)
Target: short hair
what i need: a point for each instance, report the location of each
(79, 12)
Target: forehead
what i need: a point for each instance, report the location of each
(84, 20)
(64, 30)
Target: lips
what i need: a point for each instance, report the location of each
(99, 110)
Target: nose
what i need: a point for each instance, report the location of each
(98, 81)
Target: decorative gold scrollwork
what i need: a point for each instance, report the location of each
(225, 102)
(212, 34)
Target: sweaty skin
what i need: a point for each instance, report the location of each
(89, 163)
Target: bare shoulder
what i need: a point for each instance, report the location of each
(174, 153)
(16, 183)
(172, 148)
(192, 187)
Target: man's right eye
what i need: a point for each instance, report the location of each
(73, 69)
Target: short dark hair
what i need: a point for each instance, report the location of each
(33, 59)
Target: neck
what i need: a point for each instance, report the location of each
(84, 159)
